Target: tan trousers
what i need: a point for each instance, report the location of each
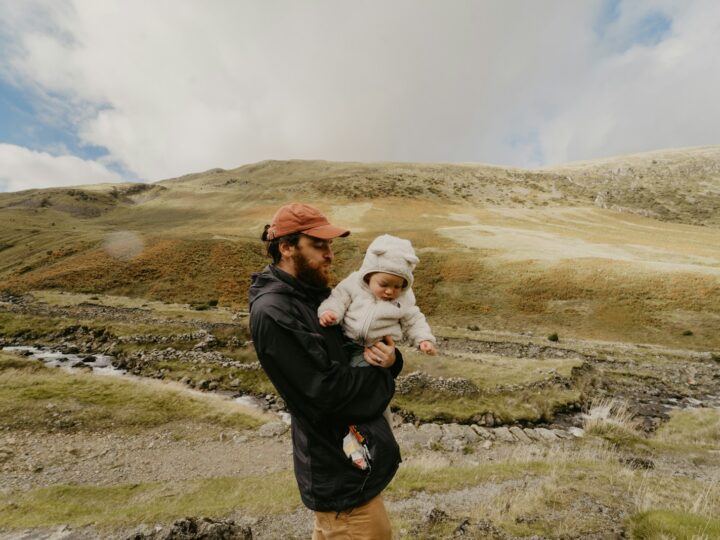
(367, 522)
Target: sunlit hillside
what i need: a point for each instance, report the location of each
(624, 249)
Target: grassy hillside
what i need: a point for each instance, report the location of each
(621, 249)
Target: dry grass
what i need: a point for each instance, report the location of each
(171, 270)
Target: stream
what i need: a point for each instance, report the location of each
(102, 364)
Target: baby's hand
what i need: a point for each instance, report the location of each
(428, 347)
(328, 318)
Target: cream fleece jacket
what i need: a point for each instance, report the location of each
(366, 319)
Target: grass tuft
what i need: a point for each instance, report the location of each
(611, 420)
(652, 524)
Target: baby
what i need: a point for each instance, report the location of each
(378, 300)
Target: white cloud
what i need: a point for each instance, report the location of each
(174, 87)
(21, 168)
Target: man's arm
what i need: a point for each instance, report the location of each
(323, 388)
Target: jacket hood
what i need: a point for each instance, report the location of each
(274, 280)
(391, 255)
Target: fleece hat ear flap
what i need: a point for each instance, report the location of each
(391, 255)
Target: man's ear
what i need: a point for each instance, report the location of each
(286, 250)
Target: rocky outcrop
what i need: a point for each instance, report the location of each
(422, 381)
(198, 529)
(458, 437)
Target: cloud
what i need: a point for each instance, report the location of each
(647, 96)
(175, 87)
(21, 168)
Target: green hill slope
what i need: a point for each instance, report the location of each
(621, 249)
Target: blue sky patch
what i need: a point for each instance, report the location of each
(22, 124)
(652, 29)
(647, 31)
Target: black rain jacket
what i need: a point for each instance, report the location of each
(309, 367)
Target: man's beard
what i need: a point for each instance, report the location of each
(307, 274)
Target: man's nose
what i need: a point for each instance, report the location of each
(329, 255)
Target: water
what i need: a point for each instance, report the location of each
(102, 365)
(69, 362)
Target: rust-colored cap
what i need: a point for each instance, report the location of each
(298, 217)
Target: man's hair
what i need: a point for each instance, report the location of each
(272, 247)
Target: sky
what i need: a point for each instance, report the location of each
(142, 90)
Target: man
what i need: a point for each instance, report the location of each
(333, 406)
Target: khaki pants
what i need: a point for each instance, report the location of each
(367, 522)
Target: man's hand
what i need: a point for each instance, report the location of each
(381, 354)
(328, 318)
(428, 347)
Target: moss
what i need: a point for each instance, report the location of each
(653, 524)
(521, 405)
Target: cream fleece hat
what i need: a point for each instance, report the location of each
(391, 255)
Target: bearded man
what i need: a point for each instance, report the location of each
(333, 406)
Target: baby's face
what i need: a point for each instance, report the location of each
(386, 286)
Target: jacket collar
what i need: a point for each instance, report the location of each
(273, 279)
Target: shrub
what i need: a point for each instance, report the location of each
(553, 337)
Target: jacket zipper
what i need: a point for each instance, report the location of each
(368, 321)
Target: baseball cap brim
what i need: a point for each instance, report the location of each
(326, 232)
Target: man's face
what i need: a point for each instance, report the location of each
(312, 259)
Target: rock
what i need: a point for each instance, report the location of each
(235, 383)
(562, 434)
(89, 358)
(272, 429)
(487, 445)
(432, 433)
(213, 386)
(520, 435)
(546, 434)
(503, 434)
(482, 432)
(576, 432)
(532, 434)
(408, 434)
(460, 433)
(489, 419)
(199, 529)
(462, 527)
(434, 516)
